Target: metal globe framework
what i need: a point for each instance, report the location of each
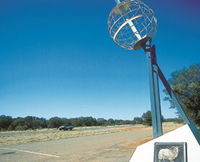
(131, 24)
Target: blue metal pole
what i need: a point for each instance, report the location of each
(154, 91)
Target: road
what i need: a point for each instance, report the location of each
(112, 147)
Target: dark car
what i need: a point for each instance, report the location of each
(66, 127)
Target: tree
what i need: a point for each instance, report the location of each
(119, 122)
(138, 120)
(186, 85)
(19, 124)
(55, 122)
(101, 121)
(90, 121)
(147, 118)
(111, 122)
(5, 122)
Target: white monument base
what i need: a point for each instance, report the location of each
(145, 152)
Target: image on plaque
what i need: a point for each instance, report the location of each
(170, 152)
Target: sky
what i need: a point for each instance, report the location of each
(57, 58)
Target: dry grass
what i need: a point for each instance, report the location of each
(13, 138)
(133, 145)
(169, 126)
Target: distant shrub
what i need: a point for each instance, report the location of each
(5, 122)
(21, 127)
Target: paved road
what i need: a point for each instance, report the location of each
(113, 147)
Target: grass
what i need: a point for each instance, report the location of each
(19, 137)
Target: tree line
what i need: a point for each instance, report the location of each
(32, 122)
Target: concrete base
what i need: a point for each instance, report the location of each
(145, 152)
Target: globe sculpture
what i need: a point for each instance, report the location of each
(131, 24)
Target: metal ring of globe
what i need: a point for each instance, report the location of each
(131, 24)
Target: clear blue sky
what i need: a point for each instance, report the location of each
(57, 58)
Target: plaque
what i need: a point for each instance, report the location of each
(170, 152)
